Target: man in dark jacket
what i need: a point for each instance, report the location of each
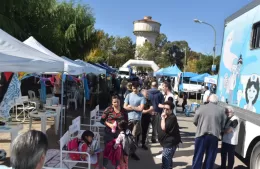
(156, 98)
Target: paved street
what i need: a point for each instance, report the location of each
(182, 158)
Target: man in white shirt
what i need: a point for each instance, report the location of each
(167, 93)
(229, 139)
(206, 95)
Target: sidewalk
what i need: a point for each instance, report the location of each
(183, 156)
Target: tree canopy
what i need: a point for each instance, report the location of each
(67, 29)
(166, 53)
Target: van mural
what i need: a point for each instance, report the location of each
(239, 75)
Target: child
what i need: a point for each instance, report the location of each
(123, 126)
(117, 150)
(86, 146)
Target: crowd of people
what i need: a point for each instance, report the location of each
(127, 125)
(143, 105)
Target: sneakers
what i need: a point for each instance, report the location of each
(144, 147)
(135, 157)
(159, 156)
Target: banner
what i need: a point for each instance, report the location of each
(12, 93)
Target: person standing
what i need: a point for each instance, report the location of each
(128, 89)
(57, 88)
(167, 88)
(146, 118)
(123, 86)
(112, 115)
(134, 104)
(156, 98)
(210, 120)
(206, 95)
(168, 134)
(184, 102)
(229, 139)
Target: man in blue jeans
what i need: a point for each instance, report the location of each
(134, 104)
(210, 120)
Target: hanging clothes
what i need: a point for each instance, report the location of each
(43, 91)
(12, 93)
(86, 89)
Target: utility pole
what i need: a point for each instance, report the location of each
(185, 57)
(215, 36)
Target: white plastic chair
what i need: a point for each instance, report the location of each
(24, 106)
(32, 95)
(95, 120)
(73, 99)
(64, 154)
(99, 113)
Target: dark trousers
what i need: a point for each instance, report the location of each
(167, 155)
(155, 119)
(145, 122)
(183, 105)
(205, 144)
(227, 150)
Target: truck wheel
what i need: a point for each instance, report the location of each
(255, 157)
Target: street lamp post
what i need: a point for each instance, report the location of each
(215, 36)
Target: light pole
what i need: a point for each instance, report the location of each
(215, 35)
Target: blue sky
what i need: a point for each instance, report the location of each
(176, 16)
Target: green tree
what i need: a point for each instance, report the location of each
(148, 52)
(124, 50)
(205, 63)
(66, 28)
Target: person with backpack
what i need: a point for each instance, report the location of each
(126, 139)
(134, 104)
(168, 134)
(117, 150)
(88, 144)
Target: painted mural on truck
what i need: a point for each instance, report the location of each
(239, 74)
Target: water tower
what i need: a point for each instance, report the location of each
(146, 30)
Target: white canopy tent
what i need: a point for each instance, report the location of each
(15, 56)
(91, 68)
(69, 67)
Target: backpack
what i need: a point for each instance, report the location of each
(73, 145)
(129, 144)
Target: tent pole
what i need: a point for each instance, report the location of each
(61, 113)
(84, 101)
(196, 93)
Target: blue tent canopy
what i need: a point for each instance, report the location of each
(108, 67)
(101, 66)
(199, 78)
(189, 74)
(169, 71)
